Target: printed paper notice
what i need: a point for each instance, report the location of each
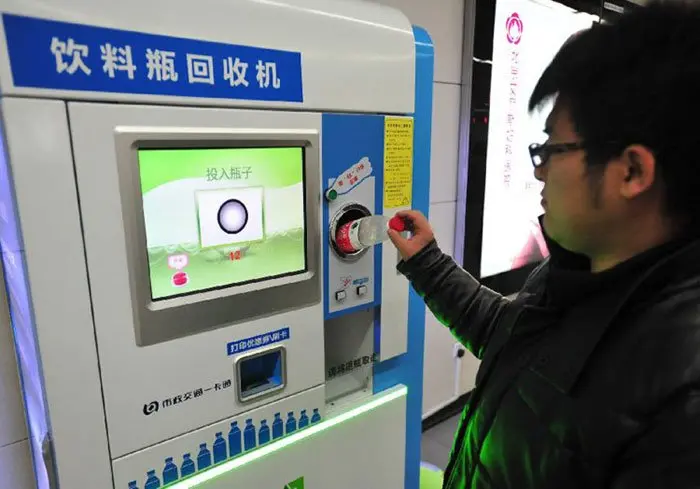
(398, 162)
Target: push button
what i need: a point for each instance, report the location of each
(361, 290)
(340, 296)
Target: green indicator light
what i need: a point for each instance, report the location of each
(232, 465)
(331, 194)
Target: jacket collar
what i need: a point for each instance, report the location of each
(585, 324)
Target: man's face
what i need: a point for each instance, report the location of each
(573, 194)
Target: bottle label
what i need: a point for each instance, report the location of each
(347, 237)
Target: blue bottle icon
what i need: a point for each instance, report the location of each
(316, 417)
(264, 434)
(291, 426)
(170, 473)
(219, 448)
(203, 457)
(132, 485)
(234, 440)
(249, 435)
(188, 467)
(152, 481)
(277, 427)
(303, 419)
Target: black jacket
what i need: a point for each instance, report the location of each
(599, 388)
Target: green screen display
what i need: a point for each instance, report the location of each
(222, 217)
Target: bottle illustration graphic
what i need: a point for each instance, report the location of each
(277, 427)
(291, 425)
(203, 457)
(188, 467)
(264, 434)
(170, 473)
(152, 481)
(249, 435)
(303, 419)
(133, 485)
(350, 179)
(234, 440)
(316, 417)
(219, 448)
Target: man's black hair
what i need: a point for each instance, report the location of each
(637, 81)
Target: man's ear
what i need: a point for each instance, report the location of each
(637, 165)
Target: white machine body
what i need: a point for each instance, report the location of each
(121, 373)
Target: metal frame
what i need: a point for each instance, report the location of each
(464, 126)
(163, 319)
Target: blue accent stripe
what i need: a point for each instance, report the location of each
(408, 368)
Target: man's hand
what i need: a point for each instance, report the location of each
(421, 234)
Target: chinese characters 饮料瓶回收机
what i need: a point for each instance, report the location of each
(71, 58)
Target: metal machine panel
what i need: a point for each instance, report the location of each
(178, 377)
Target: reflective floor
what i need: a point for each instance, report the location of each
(437, 442)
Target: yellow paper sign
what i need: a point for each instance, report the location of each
(398, 162)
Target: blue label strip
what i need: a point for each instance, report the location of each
(66, 56)
(255, 342)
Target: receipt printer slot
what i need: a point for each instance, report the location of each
(261, 374)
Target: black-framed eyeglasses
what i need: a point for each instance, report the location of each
(540, 153)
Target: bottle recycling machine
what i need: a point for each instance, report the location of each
(172, 177)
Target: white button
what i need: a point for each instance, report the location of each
(340, 295)
(362, 290)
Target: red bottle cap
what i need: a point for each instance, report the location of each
(397, 224)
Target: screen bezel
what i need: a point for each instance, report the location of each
(171, 317)
(301, 148)
(483, 20)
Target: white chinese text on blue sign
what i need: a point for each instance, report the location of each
(65, 56)
(247, 344)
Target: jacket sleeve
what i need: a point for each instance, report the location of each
(667, 455)
(456, 298)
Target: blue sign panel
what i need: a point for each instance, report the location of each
(240, 346)
(64, 56)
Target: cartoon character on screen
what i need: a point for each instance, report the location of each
(178, 263)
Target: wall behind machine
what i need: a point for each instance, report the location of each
(446, 378)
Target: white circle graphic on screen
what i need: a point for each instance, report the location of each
(233, 216)
(229, 216)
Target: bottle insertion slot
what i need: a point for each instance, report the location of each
(346, 214)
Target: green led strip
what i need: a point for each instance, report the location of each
(231, 465)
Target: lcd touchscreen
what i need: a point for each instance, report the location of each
(221, 217)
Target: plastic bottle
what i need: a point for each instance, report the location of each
(203, 457)
(303, 419)
(277, 427)
(152, 481)
(249, 440)
(264, 434)
(368, 231)
(133, 485)
(234, 440)
(316, 417)
(188, 467)
(291, 426)
(170, 472)
(219, 448)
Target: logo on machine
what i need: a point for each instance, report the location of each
(151, 407)
(170, 401)
(514, 28)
